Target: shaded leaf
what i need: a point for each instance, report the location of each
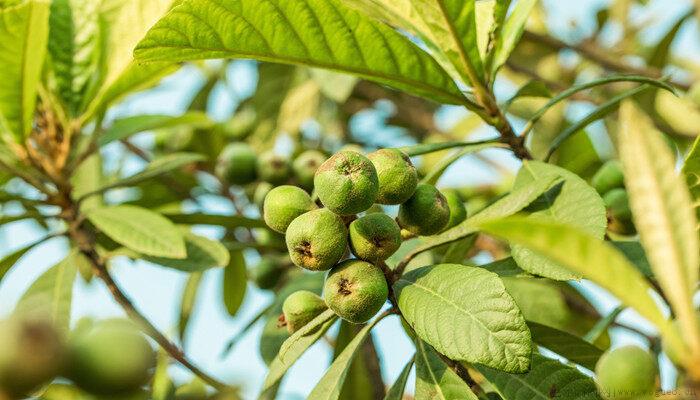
(485, 327)
(512, 31)
(235, 282)
(566, 345)
(202, 254)
(434, 380)
(226, 221)
(124, 127)
(425, 148)
(396, 390)
(187, 303)
(9, 260)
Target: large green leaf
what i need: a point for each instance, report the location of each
(569, 346)
(691, 172)
(51, 295)
(331, 384)
(123, 23)
(74, 46)
(317, 33)
(235, 282)
(434, 380)
(507, 205)
(485, 327)
(396, 390)
(573, 202)
(586, 255)
(296, 345)
(125, 127)
(140, 230)
(155, 168)
(24, 30)
(547, 379)
(202, 254)
(663, 214)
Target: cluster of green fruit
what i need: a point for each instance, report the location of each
(317, 239)
(609, 182)
(627, 373)
(110, 358)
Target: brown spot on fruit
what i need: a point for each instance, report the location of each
(344, 287)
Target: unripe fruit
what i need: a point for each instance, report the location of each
(374, 237)
(237, 164)
(426, 212)
(31, 354)
(300, 308)
(355, 290)
(112, 358)
(273, 168)
(283, 204)
(608, 177)
(347, 183)
(261, 191)
(458, 212)
(626, 373)
(268, 238)
(397, 175)
(317, 240)
(305, 167)
(266, 273)
(619, 212)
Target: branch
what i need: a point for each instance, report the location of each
(86, 243)
(600, 56)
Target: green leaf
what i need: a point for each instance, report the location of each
(426, 148)
(51, 294)
(485, 327)
(584, 254)
(445, 163)
(691, 172)
(123, 23)
(663, 214)
(331, 384)
(659, 57)
(272, 338)
(434, 380)
(566, 345)
(360, 383)
(140, 230)
(235, 282)
(507, 205)
(24, 30)
(124, 127)
(226, 221)
(512, 31)
(573, 202)
(602, 325)
(599, 112)
(547, 379)
(636, 254)
(8, 261)
(532, 88)
(155, 168)
(87, 178)
(202, 254)
(279, 31)
(187, 303)
(296, 345)
(396, 390)
(74, 46)
(565, 94)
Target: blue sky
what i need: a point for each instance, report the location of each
(156, 290)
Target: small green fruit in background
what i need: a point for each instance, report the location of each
(273, 168)
(31, 354)
(266, 273)
(237, 164)
(269, 239)
(374, 237)
(626, 373)
(305, 167)
(261, 191)
(608, 177)
(426, 212)
(397, 175)
(283, 204)
(458, 212)
(300, 308)
(619, 212)
(355, 290)
(317, 240)
(347, 183)
(112, 358)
